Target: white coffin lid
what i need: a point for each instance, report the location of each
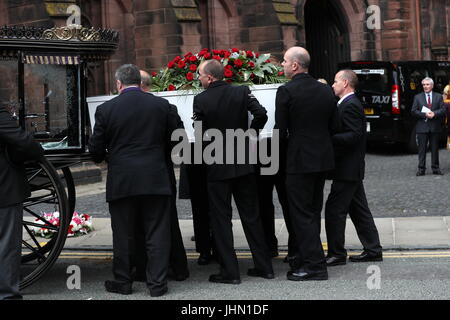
(183, 99)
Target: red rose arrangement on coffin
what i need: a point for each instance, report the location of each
(241, 67)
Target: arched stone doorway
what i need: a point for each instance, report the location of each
(327, 37)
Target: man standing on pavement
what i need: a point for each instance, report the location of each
(221, 107)
(429, 110)
(132, 132)
(304, 114)
(178, 260)
(16, 146)
(347, 193)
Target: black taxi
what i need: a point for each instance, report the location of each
(387, 89)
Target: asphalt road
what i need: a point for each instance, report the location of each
(392, 188)
(402, 276)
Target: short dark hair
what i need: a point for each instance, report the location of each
(128, 74)
(213, 68)
(350, 76)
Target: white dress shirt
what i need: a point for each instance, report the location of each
(343, 98)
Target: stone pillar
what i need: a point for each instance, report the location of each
(397, 33)
(266, 23)
(165, 29)
(119, 15)
(439, 26)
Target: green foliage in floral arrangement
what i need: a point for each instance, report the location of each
(241, 67)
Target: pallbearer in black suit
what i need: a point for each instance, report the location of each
(347, 194)
(178, 266)
(266, 186)
(196, 177)
(178, 269)
(221, 107)
(304, 114)
(132, 132)
(429, 124)
(16, 146)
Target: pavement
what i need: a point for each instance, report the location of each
(396, 233)
(413, 233)
(410, 213)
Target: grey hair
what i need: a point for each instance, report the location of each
(429, 80)
(128, 74)
(350, 76)
(302, 57)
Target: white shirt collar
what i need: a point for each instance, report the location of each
(343, 98)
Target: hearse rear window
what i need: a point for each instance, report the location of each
(373, 80)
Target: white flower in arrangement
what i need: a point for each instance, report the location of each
(234, 55)
(80, 224)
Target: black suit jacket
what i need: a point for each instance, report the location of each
(132, 132)
(16, 146)
(350, 141)
(425, 125)
(305, 115)
(223, 107)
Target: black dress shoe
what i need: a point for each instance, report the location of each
(118, 287)
(420, 173)
(177, 276)
(158, 293)
(366, 257)
(301, 275)
(438, 172)
(336, 261)
(218, 278)
(258, 273)
(204, 259)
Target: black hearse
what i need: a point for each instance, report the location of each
(387, 89)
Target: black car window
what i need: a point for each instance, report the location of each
(441, 79)
(373, 80)
(414, 78)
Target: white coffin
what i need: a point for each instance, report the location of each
(183, 99)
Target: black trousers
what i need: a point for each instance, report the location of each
(266, 185)
(349, 197)
(178, 258)
(10, 250)
(422, 141)
(244, 191)
(305, 197)
(198, 191)
(153, 212)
